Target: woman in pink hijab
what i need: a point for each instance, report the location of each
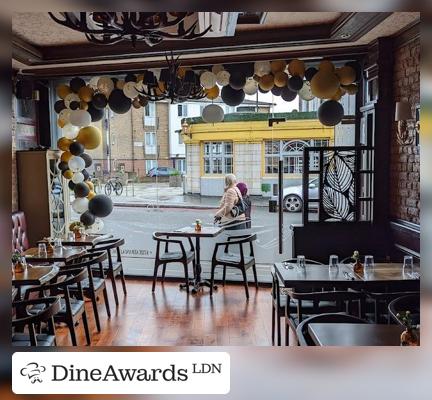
(243, 190)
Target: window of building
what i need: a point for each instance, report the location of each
(180, 137)
(182, 110)
(150, 110)
(150, 138)
(149, 164)
(246, 109)
(291, 151)
(218, 157)
(180, 164)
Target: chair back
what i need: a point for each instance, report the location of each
(328, 318)
(20, 240)
(409, 303)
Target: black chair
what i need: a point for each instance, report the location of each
(409, 303)
(280, 299)
(112, 267)
(93, 286)
(166, 257)
(72, 308)
(51, 306)
(302, 331)
(321, 303)
(239, 261)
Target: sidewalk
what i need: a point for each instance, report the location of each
(163, 196)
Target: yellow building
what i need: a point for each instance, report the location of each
(245, 144)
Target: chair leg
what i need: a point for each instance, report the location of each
(185, 264)
(255, 275)
(163, 272)
(224, 274)
(273, 324)
(71, 326)
(156, 267)
(245, 282)
(107, 306)
(287, 335)
(114, 286)
(122, 278)
(86, 328)
(278, 329)
(95, 310)
(212, 278)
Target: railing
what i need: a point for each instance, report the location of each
(343, 191)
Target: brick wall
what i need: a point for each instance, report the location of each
(405, 160)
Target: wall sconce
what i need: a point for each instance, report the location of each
(408, 127)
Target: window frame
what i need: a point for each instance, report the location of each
(219, 156)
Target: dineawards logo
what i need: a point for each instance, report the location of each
(120, 373)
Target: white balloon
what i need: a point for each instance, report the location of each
(208, 79)
(80, 118)
(80, 205)
(97, 226)
(70, 98)
(76, 164)
(129, 90)
(305, 92)
(212, 113)
(262, 68)
(64, 115)
(251, 86)
(217, 68)
(222, 78)
(105, 85)
(93, 82)
(77, 177)
(70, 131)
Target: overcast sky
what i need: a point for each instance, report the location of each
(281, 105)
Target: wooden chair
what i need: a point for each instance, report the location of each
(93, 286)
(411, 303)
(166, 257)
(239, 261)
(302, 331)
(72, 308)
(111, 267)
(320, 303)
(51, 306)
(280, 299)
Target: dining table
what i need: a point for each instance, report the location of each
(347, 334)
(87, 240)
(63, 254)
(189, 232)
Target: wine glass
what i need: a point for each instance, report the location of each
(42, 250)
(408, 266)
(333, 261)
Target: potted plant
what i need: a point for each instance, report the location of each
(198, 225)
(18, 261)
(77, 228)
(175, 179)
(409, 336)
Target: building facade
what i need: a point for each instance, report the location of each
(249, 148)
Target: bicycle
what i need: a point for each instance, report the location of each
(114, 184)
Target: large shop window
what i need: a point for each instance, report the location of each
(218, 158)
(291, 152)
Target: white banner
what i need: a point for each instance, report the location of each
(120, 373)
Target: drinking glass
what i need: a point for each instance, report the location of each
(368, 265)
(71, 237)
(408, 266)
(57, 243)
(301, 262)
(42, 250)
(333, 261)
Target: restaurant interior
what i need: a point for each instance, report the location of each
(343, 271)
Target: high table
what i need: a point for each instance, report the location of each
(342, 334)
(64, 254)
(206, 232)
(33, 276)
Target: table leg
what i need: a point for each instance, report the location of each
(198, 282)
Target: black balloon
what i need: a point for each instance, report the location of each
(246, 68)
(262, 90)
(99, 101)
(130, 78)
(287, 94)
(71, 185)
(330, 113)
(100, 205)
(63, 166)
(295, 83)
(310, 72)
(87, 218)
(87, 159)
(86, 174)
(231, 96)
(118, 102)
(96, 114)
(277, 91)
(59, 105)
(81, 190)
(76, 148)
(74, 105)
(76, 84)
(237, 80)
(355, 65)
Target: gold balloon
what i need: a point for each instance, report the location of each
(280, 79)
(181, 72)
(338, 95)
(83, 105)
(140, 77)
(136, 104)
(277, 66)
(326, 66)
(90, 137)
(120, 84)
(63, 90)
(64, 143)
(296, 68)
(213, 92)
(90, 185)
(351, 89)
(66, 156)
(68, 174)
(61, 123)
(324, 84)
(346, 74)
(266, 82)
(85, 93)
(91, 194)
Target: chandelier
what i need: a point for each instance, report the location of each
(113, 27)
(173, 85)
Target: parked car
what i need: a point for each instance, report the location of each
(293, 196)
(162, 171)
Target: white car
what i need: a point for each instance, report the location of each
(293, 196)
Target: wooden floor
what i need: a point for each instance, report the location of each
(171, 317)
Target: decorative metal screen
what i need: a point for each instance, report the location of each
(338, 184)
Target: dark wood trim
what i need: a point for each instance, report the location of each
(407, 35)
(406, 237)
(24, 52)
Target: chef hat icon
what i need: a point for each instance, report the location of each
(32, 371)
